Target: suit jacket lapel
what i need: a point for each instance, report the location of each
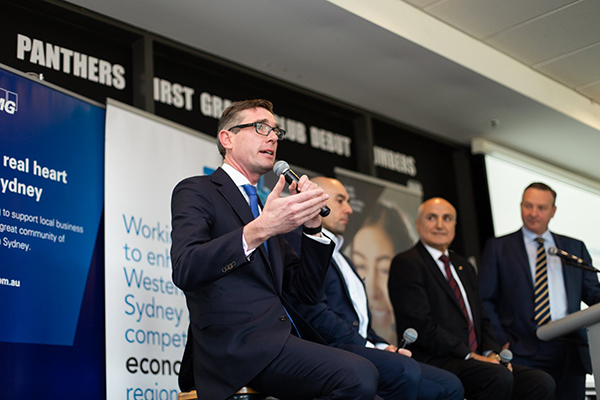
(517, 247)
(337, 269)
(469, 290)
(232, 195)
(273, 257)
(371, 335)
(353, 267)
(437, 274)
(271, 241)
(571, 277)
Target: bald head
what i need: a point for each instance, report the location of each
(339, 204)
(436, 223)
(325, 182)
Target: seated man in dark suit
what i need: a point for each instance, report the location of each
(435, 291)
(343, 319)
(234, 266)
(514, 268)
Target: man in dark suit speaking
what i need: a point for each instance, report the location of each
(435, 291)
(523, 287)
(234, 266)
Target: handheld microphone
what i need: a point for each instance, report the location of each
(410, 336)
(571, 258)
(283, 168)
(506, 357)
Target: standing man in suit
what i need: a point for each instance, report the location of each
(435, 291)
(234, 266)
(513, 268)
(343, 319)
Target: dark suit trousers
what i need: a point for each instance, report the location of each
(403, 378)
(306, 370)
(563, 362)
(486, 381)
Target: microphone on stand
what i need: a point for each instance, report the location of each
(571, 259)
(283, 168)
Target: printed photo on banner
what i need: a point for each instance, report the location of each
(381, 226)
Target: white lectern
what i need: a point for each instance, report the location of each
(588, 318)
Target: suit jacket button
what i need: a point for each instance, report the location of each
(282, 318)
(355, 323)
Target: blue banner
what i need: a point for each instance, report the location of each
(51, 199)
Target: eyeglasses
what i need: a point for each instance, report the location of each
(263, 129)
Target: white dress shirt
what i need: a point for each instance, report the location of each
(355, 287)
(353, 284)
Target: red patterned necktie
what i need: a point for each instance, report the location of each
(461, 301)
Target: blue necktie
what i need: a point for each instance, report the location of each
(251, 192)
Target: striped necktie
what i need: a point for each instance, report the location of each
(542, 298)
(461, 301)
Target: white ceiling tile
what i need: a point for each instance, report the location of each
(593, 92)
(557, 33)
(326, 50)
(577, 69)
(420, 3)
(482, 18)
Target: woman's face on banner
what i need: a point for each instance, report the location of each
(372, 252)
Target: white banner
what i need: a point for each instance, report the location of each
(146, 315)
